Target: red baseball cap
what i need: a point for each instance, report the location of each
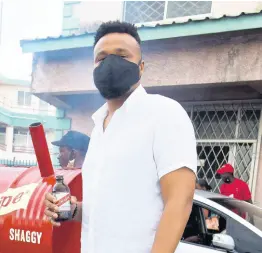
(227, 168)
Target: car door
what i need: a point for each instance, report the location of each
(246, 241)
(247, 238)
(194, 237)
(185, 247)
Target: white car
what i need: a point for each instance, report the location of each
(222, 224)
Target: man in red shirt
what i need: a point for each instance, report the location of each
(232, 186)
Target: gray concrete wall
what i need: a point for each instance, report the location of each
(184, 61)
(82, 109)
(81, 120)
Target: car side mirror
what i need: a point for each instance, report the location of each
(223, 241)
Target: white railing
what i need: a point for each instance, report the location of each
(23, 149)
(26, 149)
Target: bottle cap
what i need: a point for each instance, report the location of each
(59, 177)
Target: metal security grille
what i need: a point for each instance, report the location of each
(144, 11)
(226, 133)
(176, 9)
(149, 11)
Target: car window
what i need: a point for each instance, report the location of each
(245, 239)
(201, 226)
(214, 223)
(194, 227)
(250, 213)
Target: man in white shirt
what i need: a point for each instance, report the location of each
(139, 174)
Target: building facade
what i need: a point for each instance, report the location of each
(18, 106)
(203, 54)
(18, 109)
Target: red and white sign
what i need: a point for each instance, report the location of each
(16, 198)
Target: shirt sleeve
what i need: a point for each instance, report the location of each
(246, 192)
(174, 140)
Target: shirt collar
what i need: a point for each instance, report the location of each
(131, 101)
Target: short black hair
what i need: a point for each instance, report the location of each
(116, 27)
(204, 183)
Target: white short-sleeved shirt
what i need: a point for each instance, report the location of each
(148, 137)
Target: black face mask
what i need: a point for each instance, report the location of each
(115, 76)
(227, 180)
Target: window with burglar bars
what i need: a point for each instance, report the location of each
(226, 133)
(151, 11)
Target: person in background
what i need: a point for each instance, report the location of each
(212, 221)
(232, 186)
(203, 185)
(72, 149)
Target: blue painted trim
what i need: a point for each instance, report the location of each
(24, 120)
(226, 24)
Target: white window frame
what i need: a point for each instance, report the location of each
(28, 136)
(24, 98)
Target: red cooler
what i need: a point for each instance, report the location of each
(23, 225)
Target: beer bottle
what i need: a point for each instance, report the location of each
(62, 194)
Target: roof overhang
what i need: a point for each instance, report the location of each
(15, 82)
(163, 31)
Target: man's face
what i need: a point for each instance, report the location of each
(120, 44)
(227, 178)
(64, 156)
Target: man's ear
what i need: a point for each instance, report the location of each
(72, 155)
(141, 68)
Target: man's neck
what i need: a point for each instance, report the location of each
(79, 163)
(115, 104)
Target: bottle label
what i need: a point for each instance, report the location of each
(63, 201)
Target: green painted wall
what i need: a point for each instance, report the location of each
(24, 120)
(49, 122)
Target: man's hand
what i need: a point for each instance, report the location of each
(52, 209)
(177, 191)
